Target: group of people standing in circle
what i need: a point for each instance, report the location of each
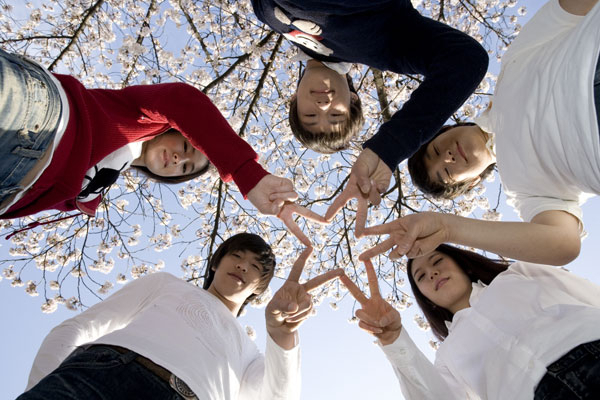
(517, 330)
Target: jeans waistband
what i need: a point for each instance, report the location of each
(574, 355)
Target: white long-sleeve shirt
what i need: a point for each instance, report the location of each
(184, 329)
(543, 113)
(499, 348)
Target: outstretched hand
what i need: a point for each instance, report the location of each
(376, 316)
(414, 235)
(368, 179)
(287, 216)
(292, 304)
(270, 193)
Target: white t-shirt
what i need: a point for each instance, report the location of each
(184, 329)
(499, 348)
(543, 113)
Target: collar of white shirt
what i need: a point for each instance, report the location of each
(341, 68)
(478, 288)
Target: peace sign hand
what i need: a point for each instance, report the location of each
(368, 179)
(376, 316)
(292, 304)
(287, 216)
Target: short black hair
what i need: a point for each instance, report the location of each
(329, 142)
(419, 174)
(243, 242)
(477, 268)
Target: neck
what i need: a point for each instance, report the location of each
(486, 137)
(233, 306)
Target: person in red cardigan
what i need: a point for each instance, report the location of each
(62, 144)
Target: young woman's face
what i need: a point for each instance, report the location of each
(323, 99)
(237, 277)
(442, 281)
(457, 155)
(171, 154)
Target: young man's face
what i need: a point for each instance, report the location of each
(457, 155)
(171, 154)
(323, 99)
(237, 277)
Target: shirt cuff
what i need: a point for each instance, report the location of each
(248, 175)
(402, 351)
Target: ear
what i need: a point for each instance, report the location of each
(353, 96)
(293, 97)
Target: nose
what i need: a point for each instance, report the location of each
(324, 103)
(433, 274)
(449, 157)
(178, 158)
(242, 266)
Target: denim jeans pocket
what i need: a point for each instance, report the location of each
(30, 111)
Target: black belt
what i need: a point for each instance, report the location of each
(177, 384)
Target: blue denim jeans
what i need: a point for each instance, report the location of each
(100, 373)
(30, 110)
(576, 375)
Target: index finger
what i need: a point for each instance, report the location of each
(382, 229)
(361, 217)
(340, 201)
(322, 279)
(309, 214)
(354, 290)
(299, 265)
(293, 227)
(372, 278)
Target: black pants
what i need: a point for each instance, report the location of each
(576, 375)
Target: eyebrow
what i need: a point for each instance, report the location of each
(415, 271)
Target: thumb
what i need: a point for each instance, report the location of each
(364, 182)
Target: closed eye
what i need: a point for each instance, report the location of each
(437, 261)
(436, 151)
(420, 277)
(448, 173)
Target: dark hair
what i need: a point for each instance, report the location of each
(171, 180)
(330, 142)
(420, 174)
(477, 268)
(243, 242)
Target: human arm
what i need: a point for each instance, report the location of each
(101, 319)
(418, 378)
(201, 122)
(452, 65)
(552, 237)
(577, 7)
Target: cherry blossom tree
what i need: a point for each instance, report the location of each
(245, 68)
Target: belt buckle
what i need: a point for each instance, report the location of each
(182, 388)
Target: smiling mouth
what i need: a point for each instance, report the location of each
(236, 277)
(461, 152)
(441, 283)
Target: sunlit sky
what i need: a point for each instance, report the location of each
(338, 359)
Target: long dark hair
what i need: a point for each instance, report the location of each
(243, 242)
(477, 268)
